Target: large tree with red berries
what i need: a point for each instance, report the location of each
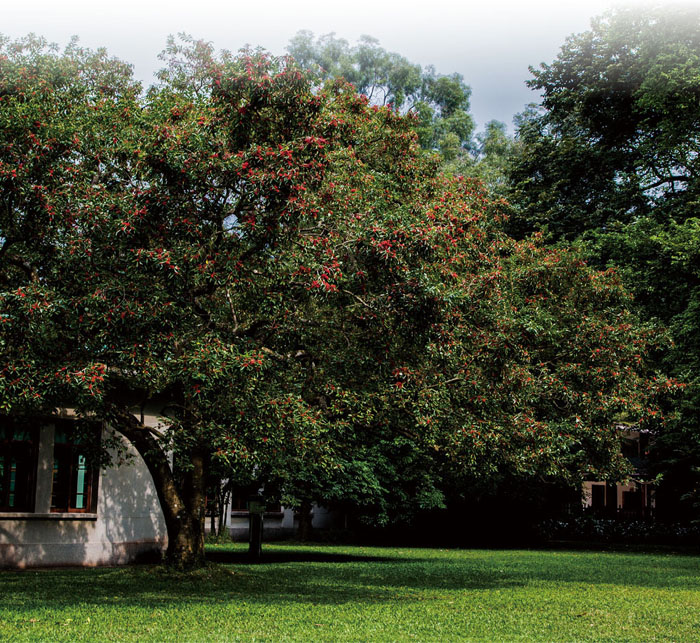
(286, 268)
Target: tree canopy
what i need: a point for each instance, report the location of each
(283, 269)
(615, 136)
(610, 159)
(439, 102)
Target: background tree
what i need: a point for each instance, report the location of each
(610, 158)
(440, 103)
(288, 276)
(490, 160)
(614, 138)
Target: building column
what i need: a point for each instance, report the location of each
(44, 472)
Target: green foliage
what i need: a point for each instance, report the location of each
(285, 273)
(610, 159)
(384, 77)
(659, 261)
(589, 529)
(616, 136)
(490, 159)
(439, 103)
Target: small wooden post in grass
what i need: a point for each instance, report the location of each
(256, 508)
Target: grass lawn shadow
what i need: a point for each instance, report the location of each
(231, 557)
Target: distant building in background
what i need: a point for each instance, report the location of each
(634, 499)
(278, 522)
(57, 510)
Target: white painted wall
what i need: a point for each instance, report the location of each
(127, 525)
(278, 525)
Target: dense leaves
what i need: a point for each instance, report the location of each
(616, 135)
(610, 158)
(286, 276)
(439, 103)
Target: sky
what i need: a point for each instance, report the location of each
(490, 42)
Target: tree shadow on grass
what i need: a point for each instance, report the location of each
(296, 578)
(303, 576)
(291, 556)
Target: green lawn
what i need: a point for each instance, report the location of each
(361, 593)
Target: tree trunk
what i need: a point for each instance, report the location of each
(304, 515)
(185, 543)
(183, 510)
(194, 494)
(223, 508)
(213, 511)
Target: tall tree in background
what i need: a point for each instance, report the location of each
(611, 158)
(616, 133)
(439, 102)
(490, 160)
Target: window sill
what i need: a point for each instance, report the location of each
(26, 515)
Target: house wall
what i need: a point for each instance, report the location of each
(633, 499)
(127, 525)
(614, 498)
(277, 525)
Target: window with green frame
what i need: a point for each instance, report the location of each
(18, 462)
(74, 488)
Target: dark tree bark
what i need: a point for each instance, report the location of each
(305, 526)
(182, 505)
